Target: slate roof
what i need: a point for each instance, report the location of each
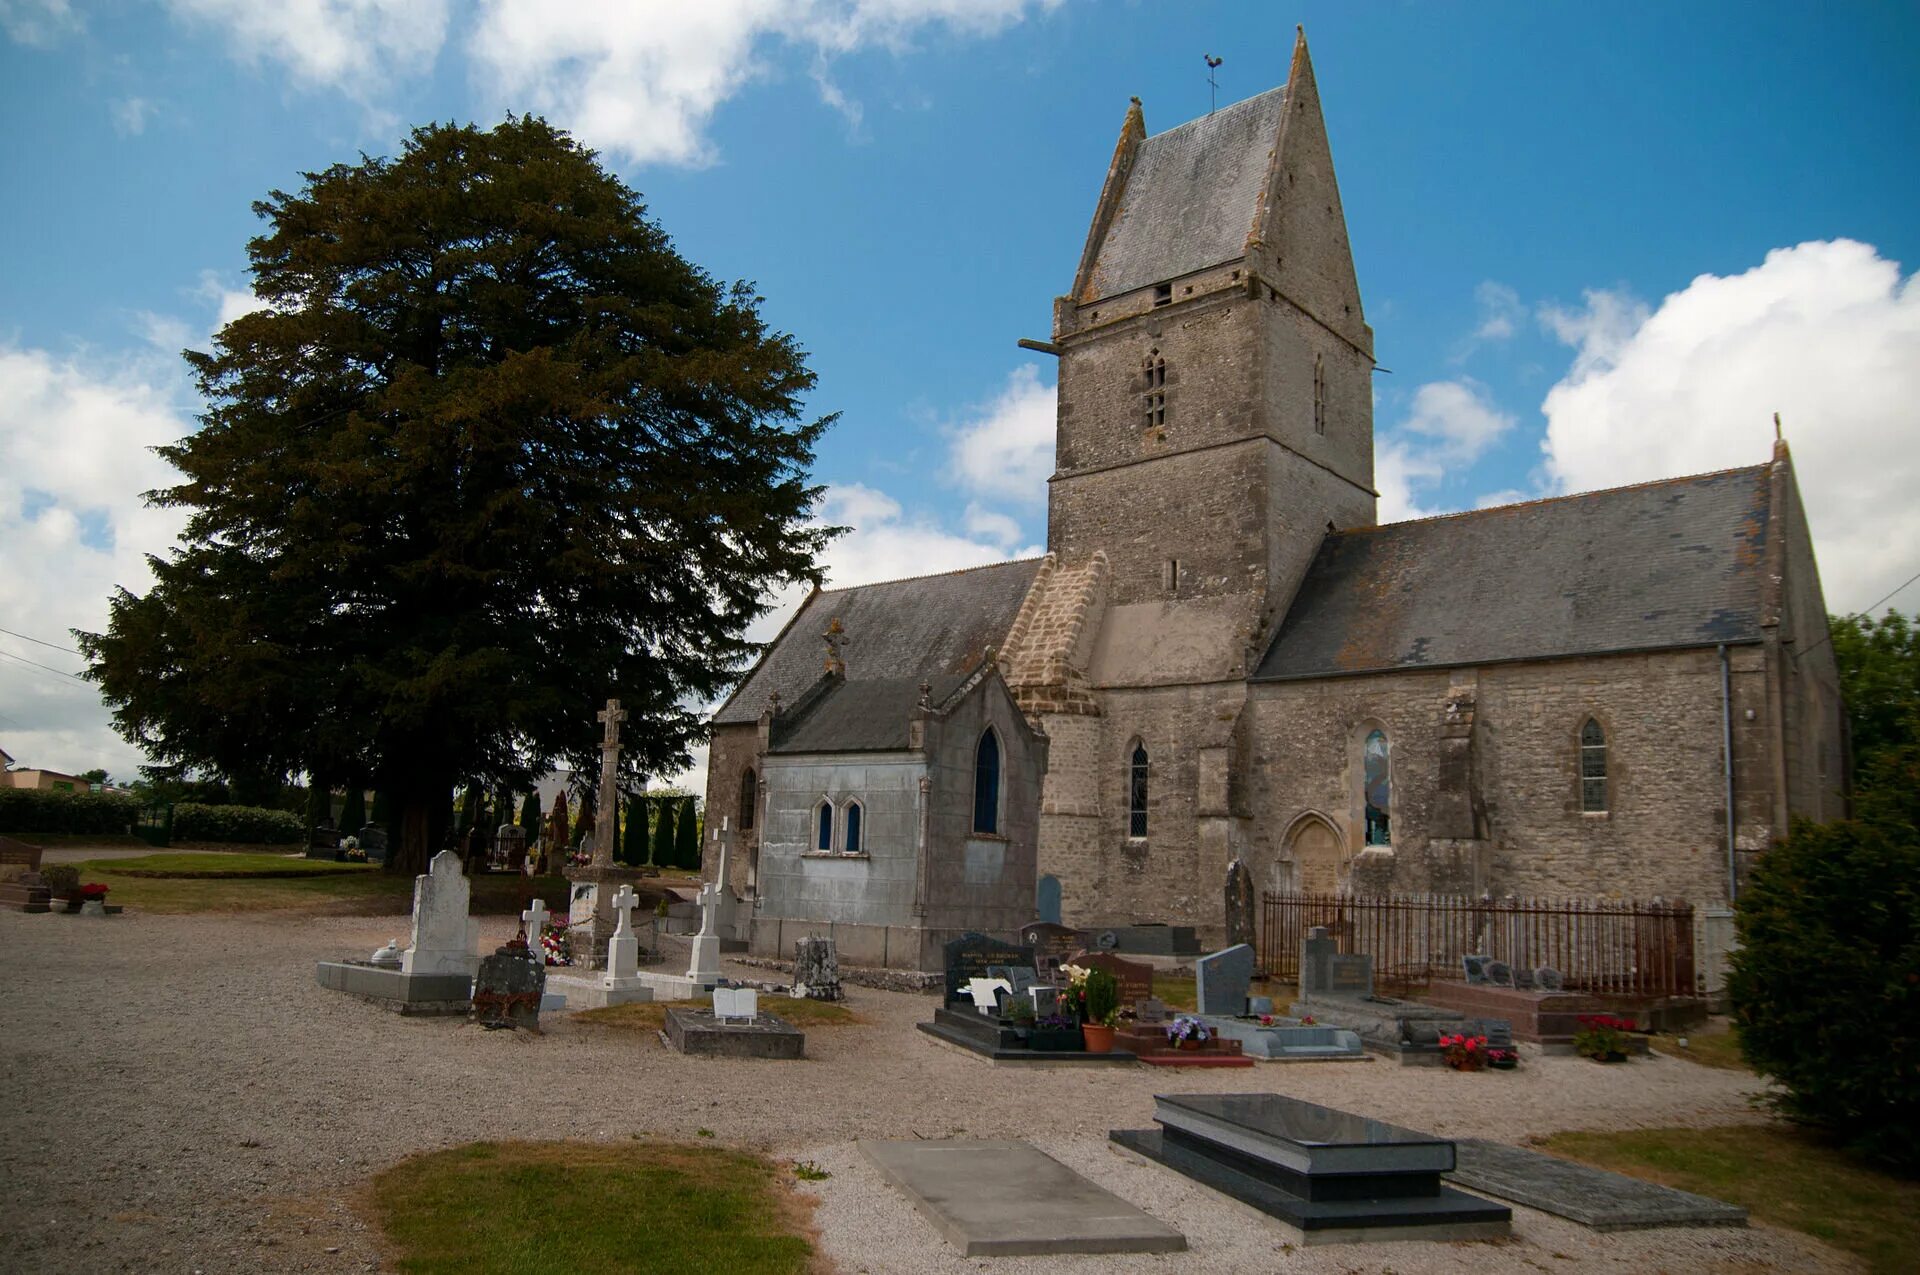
(903, 630)
(1192, 197)
(858, 717)
(1677, 563)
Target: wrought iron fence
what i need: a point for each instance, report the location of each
(1623, 948)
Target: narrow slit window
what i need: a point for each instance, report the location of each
(1154, 399)
(749, 798)
(1593, 768)
(1137, 792)
(853, 843)
(1163, 294)
(986, 784)
(1377, 773)
(1319, 395)
(1170, 575)
(823, 834)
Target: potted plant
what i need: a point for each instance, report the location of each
(1020, 1011)
(1055, 1032)
(1464, 1052)
(63, 882)
(1187, 1032)
(1102, 1011)
(1503, 1059)
(1602, 1037)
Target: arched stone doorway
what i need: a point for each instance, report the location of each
(1314, 849)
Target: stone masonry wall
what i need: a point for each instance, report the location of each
(732, 750)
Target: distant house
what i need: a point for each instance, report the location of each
(44, 780)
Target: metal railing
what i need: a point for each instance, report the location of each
(1606, 947)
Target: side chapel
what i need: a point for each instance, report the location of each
(1223, 659)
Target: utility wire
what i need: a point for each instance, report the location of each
(47, 668)
(39, 642)
(1864, 614)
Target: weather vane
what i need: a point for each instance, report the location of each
(1213, 85)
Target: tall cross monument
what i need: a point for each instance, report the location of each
(606, 818)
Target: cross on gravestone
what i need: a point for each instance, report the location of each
(606, 814)
(533, 922)
(705, 964)
(623, 949)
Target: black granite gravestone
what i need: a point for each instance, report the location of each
(972, 956)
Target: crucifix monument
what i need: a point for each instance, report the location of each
(705, 966)
(606, 818)
(595, 884)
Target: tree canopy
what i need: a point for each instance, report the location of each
(492, 452)
(1880, 681)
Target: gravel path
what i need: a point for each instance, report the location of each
(183, 1097)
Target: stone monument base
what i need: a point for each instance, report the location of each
(590, 939)
(697, 1031)
(586, 992)
(402, 993)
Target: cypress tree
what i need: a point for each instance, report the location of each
(529, 814)
(663, 834)
(687, 835)
(353, 816)
(381, 810)
(633, 845)
(469, 809)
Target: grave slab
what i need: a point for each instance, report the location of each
(1592, 1197)
(1009, 1199)
(394, 990)
(697, 1031)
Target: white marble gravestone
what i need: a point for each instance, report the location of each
(534, 921)
(445, 939)
(736, 1002)
(704, 968)
(623, 949)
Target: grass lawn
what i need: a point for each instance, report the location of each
(651, 1016)
(590, 1208)
(1783, 1176)
(1712, 1044)
(223, 882)
(1178, 993)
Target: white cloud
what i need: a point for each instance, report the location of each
(1459, 418)
(1004, 452)
(1826, 333)
(130, 115)
(886, 544)
(642, 82)
(359, 47)
(991, 525)
(40, 23)
(1397, 470)
(229, 303)
(74, 457)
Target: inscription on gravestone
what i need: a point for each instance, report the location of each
(1475, 968)
(1499, 973)
(1316, 962)
(972, 956)
(1135, 977)
(1350, 976)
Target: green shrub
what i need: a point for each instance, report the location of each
(62, 879)
(39, 810)
(1103, 998)
(1826, 983)
(252, 825)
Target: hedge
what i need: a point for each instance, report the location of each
(41, 810)
(253, 825)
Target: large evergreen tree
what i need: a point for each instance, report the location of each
(662, 832)
(686, 846)
(491, 453)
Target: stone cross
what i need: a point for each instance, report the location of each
(607, 816)
(704, 968)
(535, 921)
(624, 904)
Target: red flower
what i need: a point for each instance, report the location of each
(93, 890)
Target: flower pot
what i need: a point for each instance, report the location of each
(1504, 1064)
(1191, 1046)
(1099, 1040)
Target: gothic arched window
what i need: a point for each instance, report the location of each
(1137, 791)
(852, 845)
(823, 825)
(749, 798)
(986, 784)
(1377, 789)
(1593, 768)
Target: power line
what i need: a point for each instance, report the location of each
(48, 668)
(39, 642)
(1865, 613)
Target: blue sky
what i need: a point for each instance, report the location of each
(1596, 245)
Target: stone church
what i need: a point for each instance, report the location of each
(1224, 659)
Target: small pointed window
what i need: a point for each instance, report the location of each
(986, 784)
(1137, 792)
(1154, 400)
(853, 844)
(1593, 768)
(749, 798)
(823, 827)
(1319, 395)
(1378, 780)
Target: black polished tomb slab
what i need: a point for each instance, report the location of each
(1303, 1137)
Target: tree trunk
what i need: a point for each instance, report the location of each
(421, 822)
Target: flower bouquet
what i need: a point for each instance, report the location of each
(93, 892)
(1503, 1059)
(1602, 1037)
(1464, 1052)
(554, 946)
(1187, 1032)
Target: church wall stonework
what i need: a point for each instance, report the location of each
(731, 751)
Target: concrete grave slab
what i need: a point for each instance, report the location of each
(1592, 1197)
(1009, 1199)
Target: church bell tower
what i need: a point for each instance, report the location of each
(1215, 404)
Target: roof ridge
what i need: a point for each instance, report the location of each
(935, 575)
(1201, 119)
(1567, 496)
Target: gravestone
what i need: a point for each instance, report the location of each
(1317, 951)
(1239, 904)
(1019, 977)
(1350, 976)
(1052, 945)
(985, 993)
(1499, 973)
(1523, 978)
(1221, 981)
(971, 955)
(1150, 1009)
(323, 840)
(445, 939)
(1135, 977)
(816, 970)
(507, 990)
(736, 1003)
(1475, 968)
(1047, 900)
(1046, 1001)
(623, 949)
(1549, 979)
(511, 839)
